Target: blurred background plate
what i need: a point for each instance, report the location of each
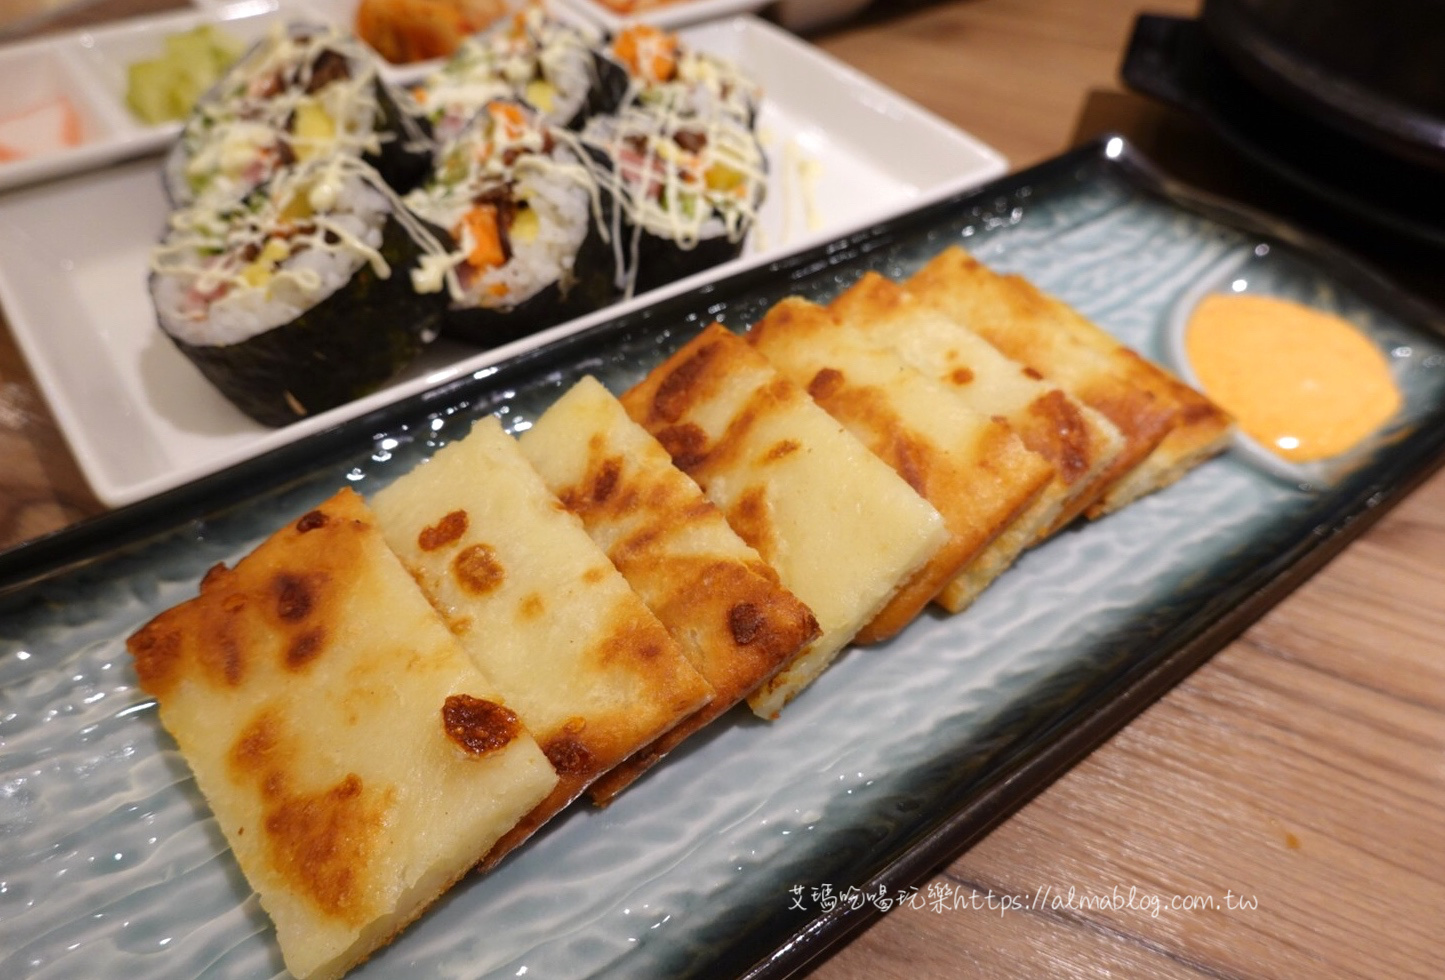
(668, 14)
(843, 152)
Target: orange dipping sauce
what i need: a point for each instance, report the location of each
(1305, 384)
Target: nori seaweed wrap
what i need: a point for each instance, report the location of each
(302, 92)
(688, 185)
(524, 208)
(300, 296)
(554, 65)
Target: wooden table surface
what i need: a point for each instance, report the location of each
(1302, 770)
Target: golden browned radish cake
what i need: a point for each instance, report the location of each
(1080, 443)
(1168, 426)
(968, 465)
(843, 531)
(720, 601)
(541, 609)
(355, 758)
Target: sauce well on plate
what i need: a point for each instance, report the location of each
(1305, 384)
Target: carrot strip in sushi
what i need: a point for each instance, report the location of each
(486, 237)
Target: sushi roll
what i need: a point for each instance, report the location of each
(688, 186)
(301, 295)
(661, 70)
(526, 212)
(553, 65)
(302, 92)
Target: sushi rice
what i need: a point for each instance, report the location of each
(302, 92)
(549, 63)
(303, 294)
(661, 70)
(684, 180)
(221, 274)
(542, 200)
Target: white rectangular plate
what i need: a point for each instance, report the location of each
(672, 15)
(844, 152)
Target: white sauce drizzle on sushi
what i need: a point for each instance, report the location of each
(674, 191)
(507, 144)
(697, 81)
(248, 248)
(706, 84)
(263, 117)
(809, 170)
(529, 56)
(800, 183)
(686, 164)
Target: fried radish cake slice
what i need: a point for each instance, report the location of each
(971, 467)
(591, 672)
(1080, 443)
(842, 530)
(355, 758)
(1168, 427)
(720, 601)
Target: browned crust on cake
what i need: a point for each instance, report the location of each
(628, 682)
(568, 788)
(1047, 336)
(695, 375)
(1203, 430)
(980, 483)
(1076, 441)
(716, 405)
(280, 603)
(631, 638)
(760, 624)
(736, 622)
(277, 615)
(763, 627)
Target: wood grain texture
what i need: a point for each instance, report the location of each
(1304, 766)
(41, 488)
(1013, 72)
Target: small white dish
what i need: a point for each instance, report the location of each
(88, 69)
(671, 15)
(1232, 275)
(844, 152)
(43, 73)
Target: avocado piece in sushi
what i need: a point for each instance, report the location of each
(300, 93)
(689, 186)
(300, 296)
(524, 208)
(554, 65)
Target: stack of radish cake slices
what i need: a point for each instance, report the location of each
(379, 699)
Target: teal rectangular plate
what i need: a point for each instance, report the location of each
(898, 758)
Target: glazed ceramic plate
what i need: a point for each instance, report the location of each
(843, 151)
(669, 15)
(722, 860)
